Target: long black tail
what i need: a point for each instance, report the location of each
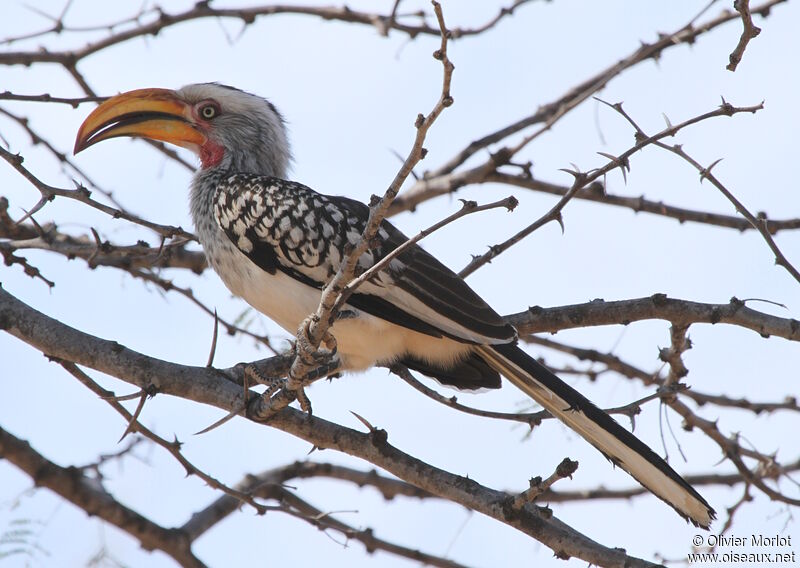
(599, 429)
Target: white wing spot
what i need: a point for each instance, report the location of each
(245, 244)
(239, 227)
(296, 234)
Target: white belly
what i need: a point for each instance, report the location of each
(362, 341)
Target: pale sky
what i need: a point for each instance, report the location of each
(350, 98)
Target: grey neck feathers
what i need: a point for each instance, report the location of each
(251, 146)
(255, 146)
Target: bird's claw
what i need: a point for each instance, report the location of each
(275, 386)
(308, 364)
(253, 375)
(312, 363)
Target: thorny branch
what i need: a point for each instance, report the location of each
(759, 224)
(537, 319)
(139, 260)
(335, 292)
(532, 419)
(725, 109)
(271, 485)
(83, 195)
(222, 388)
(596, 193)
(48, 98)
(209, 386)
(263, 488)
(729, 479)
(612, 363)
(767, 465)
(749, 31)
(151, 22)
(209, 516)
(74, 486)
(65, 161)
(445, 179)
(538, 486)
(584, 180)
(467, 208)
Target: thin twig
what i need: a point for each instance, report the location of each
(431, 185)
(597, 193)
(749, 31)
(81, 194)
(467, 208)
(85, 492)
(725, 109)
(583, 180)
(537, 319)
(334, 292)
(48, 98)
(538, 486)
(152, 22)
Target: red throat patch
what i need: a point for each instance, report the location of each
(211, 154)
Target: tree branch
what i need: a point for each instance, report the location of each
(159, 20)
(430, 185)
(583, 180)
(597, 193)
(658, 306)
(71, 484)
(268, 485)
(749, 31)
(209, 386)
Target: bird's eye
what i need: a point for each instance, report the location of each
(209, 111)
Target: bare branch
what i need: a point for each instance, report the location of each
(759, 224)
(81, 194)
(268, 485)
(66, 163)
(71, 484)
(673, 356)
(467, 208)
(212, 387)
(532, 419)
(126, 257)
(429, 187)
(48, 98)
(749, 32)
(767, 465)
(658, 306)
(334, 293)
(174, 447)
(537, 486)
(732, 450)
(705, 173)
(705, 479)
(597, 193)
(583, 180)
(159, 20)
(617, 365)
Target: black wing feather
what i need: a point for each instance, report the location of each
(433, 283)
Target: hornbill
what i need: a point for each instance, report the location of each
(276, 243)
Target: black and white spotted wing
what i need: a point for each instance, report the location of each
(286, 226)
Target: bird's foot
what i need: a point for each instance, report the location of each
(310, 364)
(278, 393)
(293, 371)
(254, 375)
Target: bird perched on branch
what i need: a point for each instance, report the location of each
(276, 243)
